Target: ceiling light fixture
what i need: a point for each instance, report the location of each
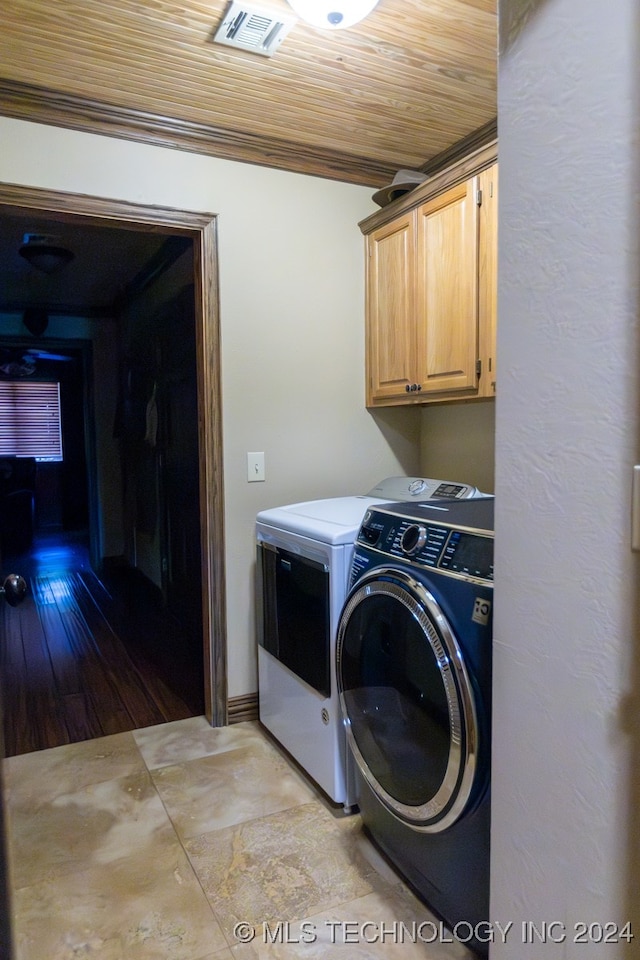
(332, 14)
(36, 320)
(43, 254)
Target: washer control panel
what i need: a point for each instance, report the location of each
(461, 551)
(409, 489)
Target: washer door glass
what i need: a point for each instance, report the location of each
(408, 700)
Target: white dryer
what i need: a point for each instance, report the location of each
(304, 553)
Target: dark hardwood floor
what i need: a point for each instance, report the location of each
(85, 656)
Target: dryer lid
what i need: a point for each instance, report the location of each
(337, 520)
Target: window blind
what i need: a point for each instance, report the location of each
(30, 422)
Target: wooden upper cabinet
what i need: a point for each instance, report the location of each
(488, 279)
(447, 290)
(391, 308)
(431, 298)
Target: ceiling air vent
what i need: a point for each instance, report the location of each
(254, 29)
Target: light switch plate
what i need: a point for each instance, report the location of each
(255, 467)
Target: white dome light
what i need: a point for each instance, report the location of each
(332, 14)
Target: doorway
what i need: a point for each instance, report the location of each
(201, 229)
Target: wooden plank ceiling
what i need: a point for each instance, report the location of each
(408, 83)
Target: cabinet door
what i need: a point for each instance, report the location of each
(488, 279)
(391, 342)
(447, 291)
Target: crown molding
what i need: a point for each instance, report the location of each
(40, 105)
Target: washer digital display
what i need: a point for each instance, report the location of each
(467, 553)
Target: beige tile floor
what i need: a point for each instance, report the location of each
(157, 844)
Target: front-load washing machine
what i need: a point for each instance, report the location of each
(304, 553)
(414, 654)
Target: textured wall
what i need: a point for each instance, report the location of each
(566, 646)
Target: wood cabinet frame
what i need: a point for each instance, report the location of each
(430, 256)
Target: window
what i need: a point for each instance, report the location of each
(30, 422)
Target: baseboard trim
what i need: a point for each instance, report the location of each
(243, 708)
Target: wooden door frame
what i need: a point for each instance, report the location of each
(17, 200)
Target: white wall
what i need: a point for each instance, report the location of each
(566, 730)
(458, 442)
(292, 309)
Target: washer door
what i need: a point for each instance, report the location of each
(407, 700)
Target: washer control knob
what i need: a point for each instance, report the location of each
(413, 538)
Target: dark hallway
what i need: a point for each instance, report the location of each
(84, 656)
(108, 532)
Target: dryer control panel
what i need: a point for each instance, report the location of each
(461, 551)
